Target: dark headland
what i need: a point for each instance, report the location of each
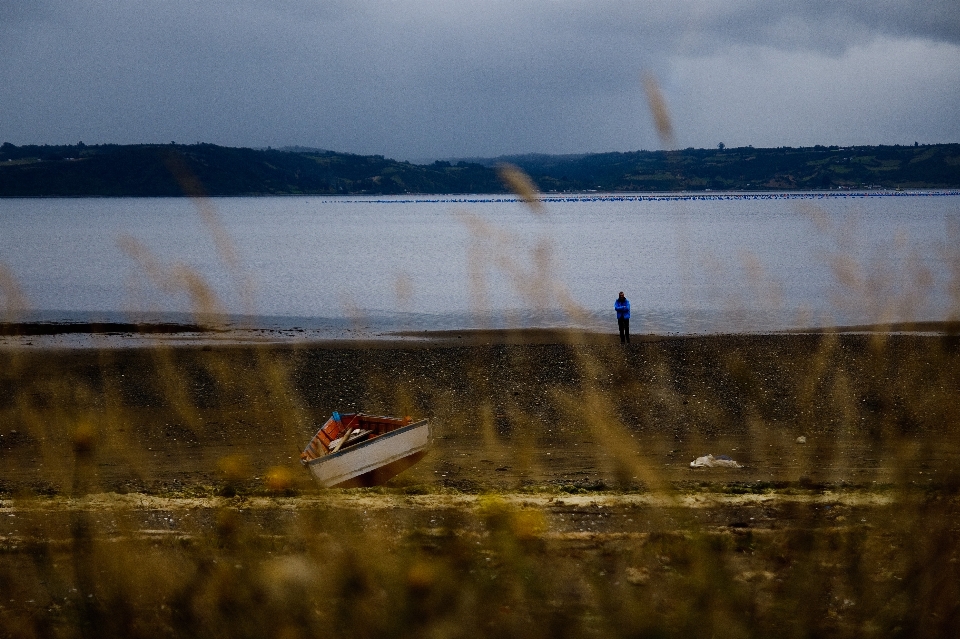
(155, 170)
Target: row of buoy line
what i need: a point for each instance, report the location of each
(659, 197)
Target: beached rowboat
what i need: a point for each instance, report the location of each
(355, 449)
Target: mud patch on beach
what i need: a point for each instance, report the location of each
(569, 417)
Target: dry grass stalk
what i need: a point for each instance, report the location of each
(521, 184)
(629, 552)
(658, 109)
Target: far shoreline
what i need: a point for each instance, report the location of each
(17, 336)
(546, 196)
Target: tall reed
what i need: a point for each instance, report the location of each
(156, 491)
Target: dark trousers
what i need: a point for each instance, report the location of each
(624, 325)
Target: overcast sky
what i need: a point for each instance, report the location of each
(425, 79)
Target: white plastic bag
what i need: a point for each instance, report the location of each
(709, 461)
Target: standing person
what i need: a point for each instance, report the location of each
(622, 306)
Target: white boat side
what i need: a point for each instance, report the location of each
(342, 466)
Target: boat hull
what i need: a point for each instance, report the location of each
(373, 462)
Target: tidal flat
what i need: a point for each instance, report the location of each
(158, 491)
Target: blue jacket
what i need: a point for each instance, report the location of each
(622, 308)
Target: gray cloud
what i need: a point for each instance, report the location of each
(430, 78)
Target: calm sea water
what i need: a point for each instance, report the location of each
(687, 264)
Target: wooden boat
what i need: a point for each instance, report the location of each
(355, 449)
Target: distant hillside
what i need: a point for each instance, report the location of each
(207, 169)
(746, 168)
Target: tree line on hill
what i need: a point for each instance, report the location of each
(207, 169)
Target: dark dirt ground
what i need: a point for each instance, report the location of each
(560, 467)
(510, 413)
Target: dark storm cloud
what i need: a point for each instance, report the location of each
(13, 11)
(421, 78)
(829, 25)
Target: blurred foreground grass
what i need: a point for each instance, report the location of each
(155, 492)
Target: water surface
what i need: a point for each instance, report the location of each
(688, 264)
